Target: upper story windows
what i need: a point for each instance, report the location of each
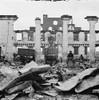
(76, 36)
(86, 37)
(19, 36)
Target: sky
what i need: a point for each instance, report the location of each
(28, 10)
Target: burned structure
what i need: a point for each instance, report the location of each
(67, 36)
(59, 37)
(7, 35)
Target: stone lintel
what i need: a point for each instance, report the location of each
(66, 17)
(8, 17)
(37, 18)
(92, 18)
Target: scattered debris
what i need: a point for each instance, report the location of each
(45, 82)
(72, 82)
(27, 79)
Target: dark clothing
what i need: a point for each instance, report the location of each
(70, 55)
(70, 58)
(81, 58)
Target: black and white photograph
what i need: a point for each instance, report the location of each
(49, 49)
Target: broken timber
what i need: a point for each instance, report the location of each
(24, 81)
(72, 82)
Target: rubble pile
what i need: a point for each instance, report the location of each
(45, 82)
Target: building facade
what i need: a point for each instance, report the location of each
(7, 36)
(67, 36)
(78, 39)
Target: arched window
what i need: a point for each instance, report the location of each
(50, 28)
(55, 22)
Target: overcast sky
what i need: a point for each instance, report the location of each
(28, 10)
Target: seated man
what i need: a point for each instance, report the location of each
(70, 57)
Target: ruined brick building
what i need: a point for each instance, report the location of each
(67, 36)
(78, 39)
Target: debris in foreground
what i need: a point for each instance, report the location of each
(27, 79)
(50, 83)
(72, 82)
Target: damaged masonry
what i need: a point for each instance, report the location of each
(57, 75)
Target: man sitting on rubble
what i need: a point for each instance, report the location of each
(70, 57)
